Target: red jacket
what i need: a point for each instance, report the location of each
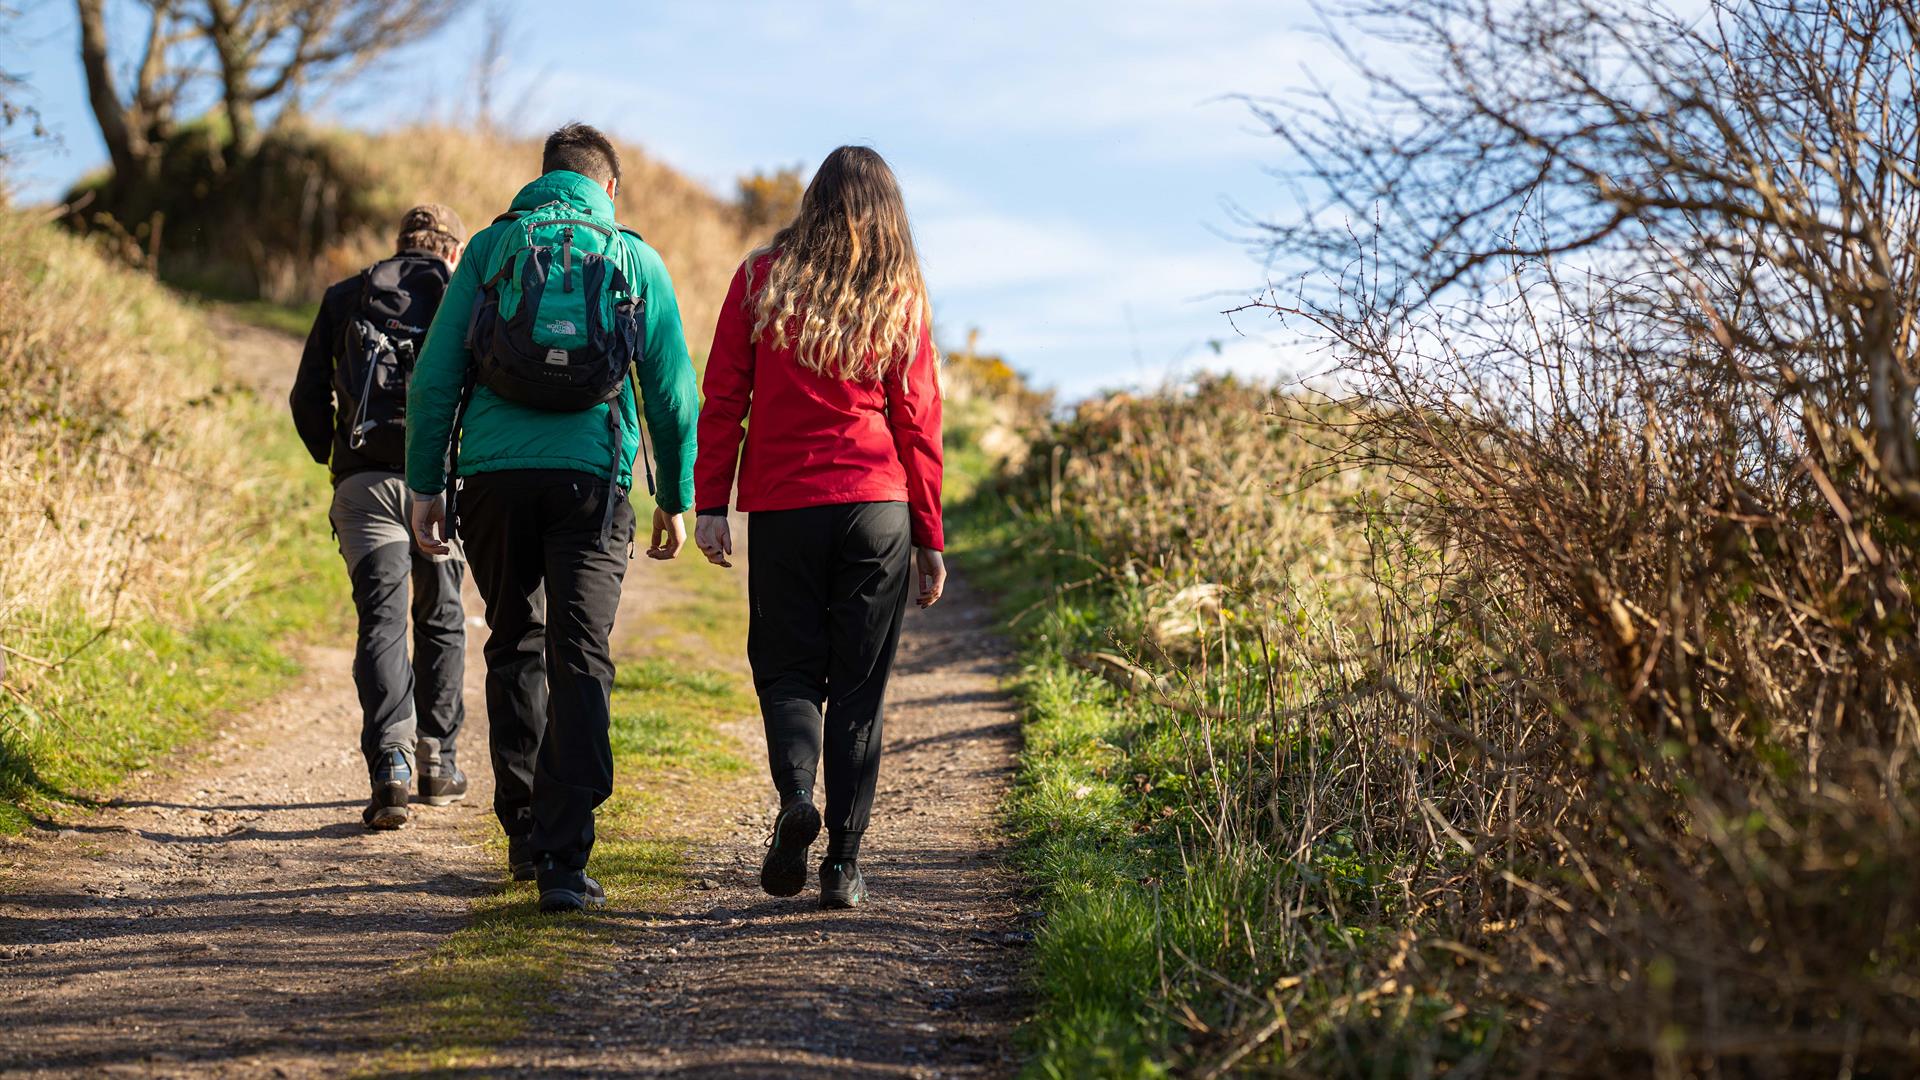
(816, 440)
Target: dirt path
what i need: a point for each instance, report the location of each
(234, 918)
(921, 981)
(229, 916)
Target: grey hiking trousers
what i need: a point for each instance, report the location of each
(415, 707)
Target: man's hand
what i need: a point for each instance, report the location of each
(429, 520)
(933, 576)
(669, 535)
(714, 537)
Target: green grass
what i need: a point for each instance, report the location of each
(489, 981)
(133, 469)
(1094, 957)
(1141, 927)
(123, 696)
(218, 291)
(293, 319)
(1084, 843)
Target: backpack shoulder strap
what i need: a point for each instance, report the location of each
(635, 233)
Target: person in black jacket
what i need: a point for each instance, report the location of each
(349, 402)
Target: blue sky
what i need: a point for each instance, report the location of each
(1068, 165)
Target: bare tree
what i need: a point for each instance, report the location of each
(265, 49)
(250, 53)
(15, 106)
(1771, 147)
(134, 122)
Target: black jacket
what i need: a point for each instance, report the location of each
(322, 426)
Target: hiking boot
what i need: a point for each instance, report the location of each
(841, 885)
(443, 787)
(563, 890)
(392, 778)
(520, 861)
(784, 871)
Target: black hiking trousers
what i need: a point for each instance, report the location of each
(532, 537)
(411, 704)
(828, 586)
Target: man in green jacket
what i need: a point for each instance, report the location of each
(547, 548)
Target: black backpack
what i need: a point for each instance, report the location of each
(398, 297)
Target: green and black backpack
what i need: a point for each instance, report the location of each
(558, 325)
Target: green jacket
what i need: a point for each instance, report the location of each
(499, 434)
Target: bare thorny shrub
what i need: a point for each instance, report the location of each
(1625, 305)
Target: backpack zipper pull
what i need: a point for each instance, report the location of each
(566, 259)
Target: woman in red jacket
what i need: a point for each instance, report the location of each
(826, 338)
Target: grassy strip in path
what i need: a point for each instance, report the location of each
(481, 988)
(292, 319)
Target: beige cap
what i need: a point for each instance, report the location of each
(432, 218)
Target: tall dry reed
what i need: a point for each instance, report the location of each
(119, 442)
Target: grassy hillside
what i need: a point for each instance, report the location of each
(318, 204)
(159, 534)
(1303, 797)
(701, 237)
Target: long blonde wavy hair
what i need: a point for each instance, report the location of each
(846, 271)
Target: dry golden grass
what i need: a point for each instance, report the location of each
(701, 237)
(116, 440)
(159, 531)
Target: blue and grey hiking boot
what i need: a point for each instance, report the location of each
(841, 885)
(392, 779)
(784, 871)
(563, 889)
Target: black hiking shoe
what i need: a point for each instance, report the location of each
(392, 778)
(520, 858)
(784, 871)
(841, 885)
(563, 890)
(443, 786)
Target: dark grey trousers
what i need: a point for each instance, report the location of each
(411, 704)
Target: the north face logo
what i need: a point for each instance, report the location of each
(557, 357)
(561, 328)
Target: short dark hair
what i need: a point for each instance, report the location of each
(580, 148)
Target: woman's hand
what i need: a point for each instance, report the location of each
(933, 576)
(669, 533)
(714, 537)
